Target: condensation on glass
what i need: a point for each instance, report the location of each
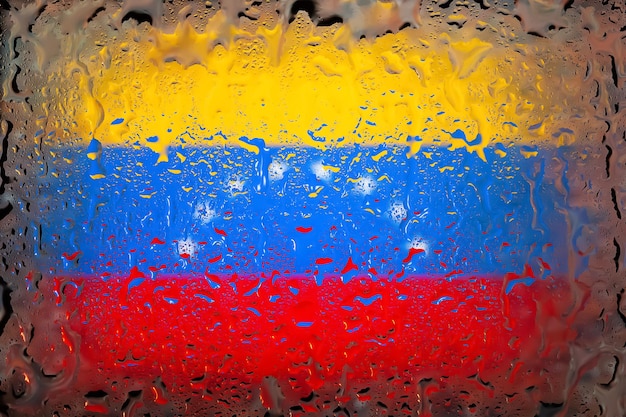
(328, 207)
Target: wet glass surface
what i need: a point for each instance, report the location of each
(328, 207)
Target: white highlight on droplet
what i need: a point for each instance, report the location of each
(187, 247)
(397, 212)
(204, 213)
(276, 170)
(321, 172)
(235, 185)
(418, 243)
(365, 186)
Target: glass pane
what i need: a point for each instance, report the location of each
(325, 207)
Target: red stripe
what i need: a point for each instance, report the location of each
(295, 329)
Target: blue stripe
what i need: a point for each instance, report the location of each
(468, 215)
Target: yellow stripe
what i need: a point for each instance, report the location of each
(286, 86)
